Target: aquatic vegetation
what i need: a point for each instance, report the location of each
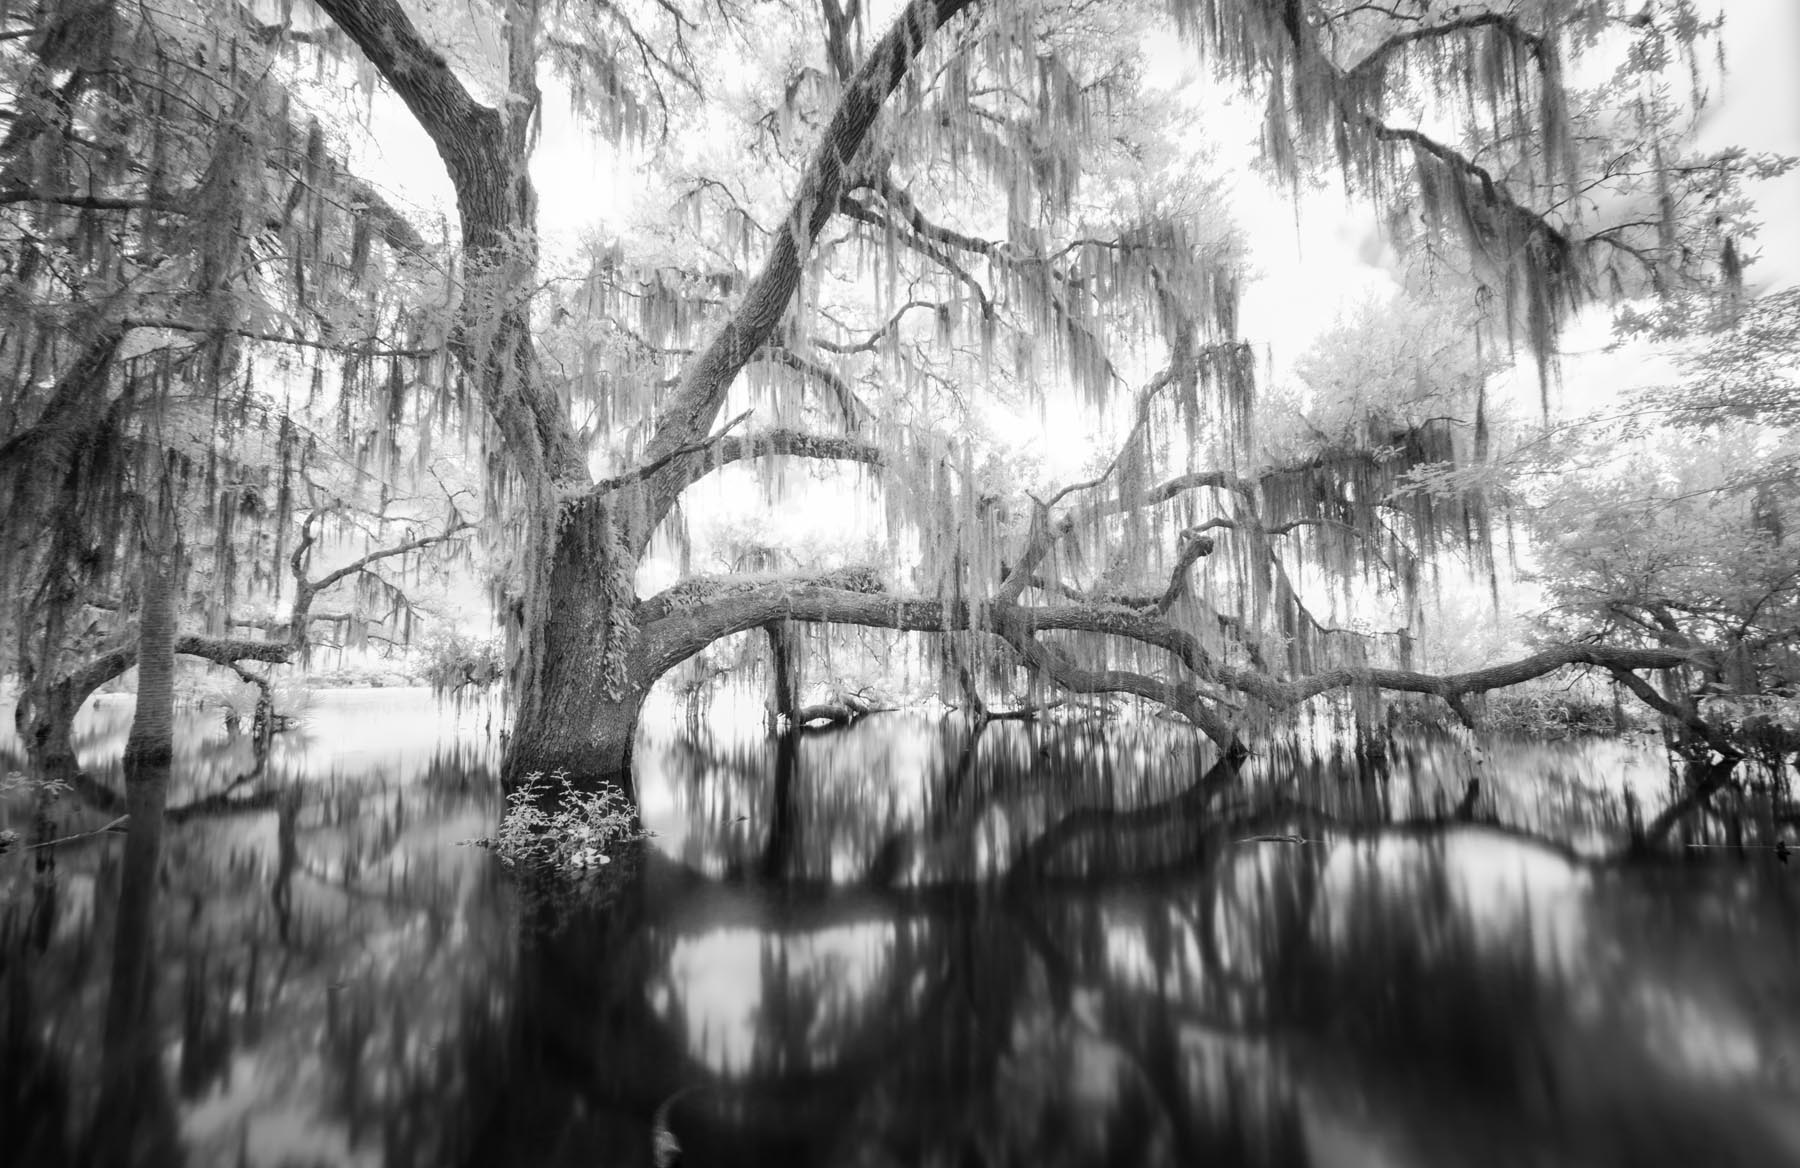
(549, 826)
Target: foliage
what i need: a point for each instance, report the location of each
(454, 660)
(1674, 525)
(360, 674)
(289, 698)
(1670, 525)
(551, 828)
(1543, 711)
(1386, 367)
(1678, 527)
(1740, 361)
(204, 302)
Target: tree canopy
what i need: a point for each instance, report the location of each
(868, 240)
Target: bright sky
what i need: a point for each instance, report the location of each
(1760, 111)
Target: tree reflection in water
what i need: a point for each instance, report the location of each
(899, 944)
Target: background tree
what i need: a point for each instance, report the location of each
(208, 318)
(1670, 525)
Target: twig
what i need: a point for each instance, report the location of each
(101, 830)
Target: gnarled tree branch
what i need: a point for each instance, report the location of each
(706, 378)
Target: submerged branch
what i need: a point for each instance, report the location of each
(1682, 713)
(1181, 697)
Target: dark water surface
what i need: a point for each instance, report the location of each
(892, 946)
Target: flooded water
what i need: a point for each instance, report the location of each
(895, 945)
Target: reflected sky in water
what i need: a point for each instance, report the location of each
(901, 944)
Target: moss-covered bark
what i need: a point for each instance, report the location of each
(582, 682)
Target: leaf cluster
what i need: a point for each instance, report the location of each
(1677, 526)
(551, 828)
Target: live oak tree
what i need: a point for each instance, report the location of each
(889, 219)
(1674, 517)
(945, 159)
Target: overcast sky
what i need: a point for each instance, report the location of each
(1760, 110)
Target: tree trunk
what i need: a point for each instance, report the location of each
(151, 744)
(582, 683)
(784, 676)
(45, 720)
(579, 729)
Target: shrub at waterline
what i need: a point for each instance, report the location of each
(550, 827)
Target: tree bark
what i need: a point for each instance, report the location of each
(590, 744)
(581, 682)
(784, 676)
(45, 720)
(151, 743)
(585, 686)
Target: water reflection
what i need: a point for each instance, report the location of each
(286, 917)
(904, 944)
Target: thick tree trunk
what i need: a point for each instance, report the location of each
(580, 729)
(583, 685)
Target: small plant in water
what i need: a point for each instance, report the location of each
(550, 826)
